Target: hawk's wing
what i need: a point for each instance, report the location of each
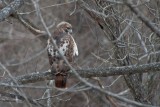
(75, 49)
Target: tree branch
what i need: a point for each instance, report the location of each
(143, 18)
(110, 71)
(10, 9)
(88, 72)
(19, 97)
(30, 26)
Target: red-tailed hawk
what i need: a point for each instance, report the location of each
(67, 47)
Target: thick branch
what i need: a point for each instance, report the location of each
(88, 72)
(10, 9)
(110, 71)
(124, 70)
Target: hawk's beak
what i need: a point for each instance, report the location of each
(70, 31)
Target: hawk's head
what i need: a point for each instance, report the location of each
(65, 27)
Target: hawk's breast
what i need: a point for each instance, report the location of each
(66, 46)
(63, 47)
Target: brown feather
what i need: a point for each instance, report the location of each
(66, 45)
(60, 80)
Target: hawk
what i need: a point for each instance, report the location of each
(67, 46)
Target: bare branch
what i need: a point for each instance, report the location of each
(10, 9)
(88, 72)
(124, 70)
(143, 18)
(111, 71)
(19, 97)
(30, 26)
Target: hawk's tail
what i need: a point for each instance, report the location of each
(60, 80)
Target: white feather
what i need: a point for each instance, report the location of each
(62, 49)
(75, 49)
